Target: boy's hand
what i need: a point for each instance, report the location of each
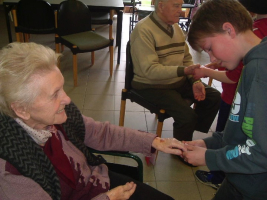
(213, 65)
(195, 155)
(198, 143)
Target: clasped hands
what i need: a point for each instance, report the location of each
(200, 71)
(192, 152)
(167, 145)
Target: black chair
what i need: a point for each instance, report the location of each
(73, 29)
(129, 93)
(33, 17)
(102, 17)
(135, 172)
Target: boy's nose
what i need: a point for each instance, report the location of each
(213, 59)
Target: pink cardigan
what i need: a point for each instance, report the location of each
(100, 136)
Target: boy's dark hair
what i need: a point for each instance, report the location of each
(211, 16)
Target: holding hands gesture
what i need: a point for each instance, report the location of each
(195, 153)
(205, 71)
(169, 145)
(190, 70)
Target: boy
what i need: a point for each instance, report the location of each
(229, 79)
(224, 30)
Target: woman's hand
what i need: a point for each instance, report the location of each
(169, 145)
(122, 192)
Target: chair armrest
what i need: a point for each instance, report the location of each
(125, 154)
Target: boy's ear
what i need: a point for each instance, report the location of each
(229, 29)
(20, 110)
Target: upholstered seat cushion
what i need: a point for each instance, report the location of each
(87, 41)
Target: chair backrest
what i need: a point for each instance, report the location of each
(35, 17)
(73, 17)
(129, 73)
(98, 17)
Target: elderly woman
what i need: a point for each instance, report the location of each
(43, 137)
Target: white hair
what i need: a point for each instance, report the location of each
(19, 65)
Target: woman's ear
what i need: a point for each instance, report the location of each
(20, 110)
(229, 29)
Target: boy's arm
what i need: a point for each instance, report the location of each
(224, 76)
(204, 72)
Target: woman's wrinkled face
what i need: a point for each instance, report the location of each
(48, 107)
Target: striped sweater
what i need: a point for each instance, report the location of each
(159, 56)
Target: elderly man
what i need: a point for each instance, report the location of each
(162, 64)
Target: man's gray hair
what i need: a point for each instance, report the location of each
(157, 3)
(20, 65)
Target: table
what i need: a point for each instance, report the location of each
(116, 5)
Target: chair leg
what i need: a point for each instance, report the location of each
(62, 47)
(92, 57)
(16, 24)
(75, 69)
(210, 81)
(160, 124)
(122, 110)
(159, 129)
(26, 37)
(111, 60)
(57, 48)
(19, 37)
(110, 31)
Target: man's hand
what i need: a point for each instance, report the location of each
(195, 155)
(199, 91)
(169, 145)
(190, 70)
(122, 192)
